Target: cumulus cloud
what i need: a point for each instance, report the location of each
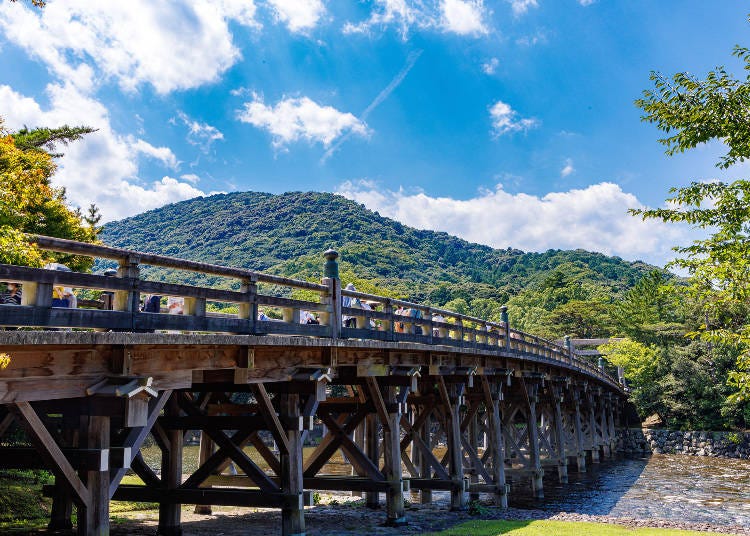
(522, 6)
(298, 15)
(593, 218)
(296, 118)
(567, 168)
(163, 154)
(170, 45)
(505, 120)
(490, 66)
(400, 13)
(103, 167)
(463, 17)
(199, 134)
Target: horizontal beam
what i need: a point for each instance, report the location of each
(211, 496)
(81, 459)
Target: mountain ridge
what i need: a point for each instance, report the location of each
(287, 233)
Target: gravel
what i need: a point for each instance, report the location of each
(344, 516)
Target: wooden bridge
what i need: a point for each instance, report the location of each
(457, 405)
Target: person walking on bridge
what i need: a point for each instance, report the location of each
(12, 294)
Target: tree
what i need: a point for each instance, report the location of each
(640, 364)
(650, 311)
(694, 111)
(30, 204)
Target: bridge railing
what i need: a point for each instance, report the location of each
(369, 316)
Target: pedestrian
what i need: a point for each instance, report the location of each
(12, 294)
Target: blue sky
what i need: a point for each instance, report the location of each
(509, 123)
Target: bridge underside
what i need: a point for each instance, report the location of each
(404, 416)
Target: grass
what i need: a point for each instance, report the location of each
(21, 500)
(558, 528)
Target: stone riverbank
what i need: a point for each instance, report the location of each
(701, 443)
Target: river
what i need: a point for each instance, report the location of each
(685, 488)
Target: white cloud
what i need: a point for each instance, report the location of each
(397, 12)
(295, 118)
(192, 178)
(593, 218)
(199, 134)
(567, 168)
(463, 17)
(163, 154)
(505, 120)
(522, 6)
(298, 15)
(585, 3)
(490, 66)
(540, 37)
(102, 167)
(170, 45)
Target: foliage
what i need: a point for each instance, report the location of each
(650, 312)
(46, 139)
(695, 111)
(30, 204)
(476, 509)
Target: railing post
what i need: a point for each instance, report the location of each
(248, 310)
(429, 327)
(128, 300)
(506, 323)
(569, 347)
(333, 296)
(388, 324)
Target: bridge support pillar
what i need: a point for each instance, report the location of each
(171, 474)
(492, 396)
(562, 460)
(473, 430)
(392, 457)
(372, 446)
(206, 449)
(62, 502)
(451, 402)
(604, 425)
(532, 384)
(293, 512)
(93, 519)
(425, 471)
(593, 436)
(580, 448)
(611, 424)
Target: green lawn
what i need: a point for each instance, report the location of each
(556, 528)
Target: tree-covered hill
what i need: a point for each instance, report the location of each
(286, 234)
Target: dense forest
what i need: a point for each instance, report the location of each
(555, 293)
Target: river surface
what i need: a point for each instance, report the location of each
(685, 488)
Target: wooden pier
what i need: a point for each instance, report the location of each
(452, 405)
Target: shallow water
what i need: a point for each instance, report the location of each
(686, 488)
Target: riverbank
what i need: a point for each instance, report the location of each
(350, 518)
(692, 443)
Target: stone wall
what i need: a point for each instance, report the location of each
(717, 444)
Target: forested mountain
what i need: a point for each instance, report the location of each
(287, 234)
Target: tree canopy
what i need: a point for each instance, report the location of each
(693, 111)
(29, 203)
